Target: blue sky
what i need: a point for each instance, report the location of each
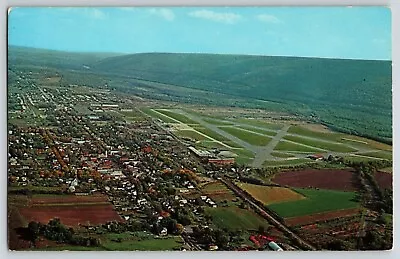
(336, 32)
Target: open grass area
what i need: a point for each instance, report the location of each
(214, 187)
(133, 115)
(260, 123)
(316, 201)
(269, 194)
(251, 138)
(216, 136)
(208, 144)
(234, 218)
(217, 122)
(70, 248)
(289, 146)
(379, 154)
(177, 116)
(295, 129)
(321, 144)
(157, 115)
(191, 134)
(151, 244)
(257, 130)
(281, 155)
(287, 162)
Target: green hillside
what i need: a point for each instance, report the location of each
(52, 58)
(350, 95)
(353, 96)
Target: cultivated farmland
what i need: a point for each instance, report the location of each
(269, 194)
(384, 180)
(71, 210)
(325, 179)
(308, 219)
(235, 218)
(316, 201)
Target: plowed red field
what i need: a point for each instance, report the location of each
(59, 199)
(309, 219)
(325, 179)
(384, 180)
(71, 215)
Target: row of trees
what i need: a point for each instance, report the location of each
(56, 231)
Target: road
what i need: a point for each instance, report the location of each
(300, 242)
(265, 152)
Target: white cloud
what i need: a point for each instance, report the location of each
(165, 13)
(228, 18)
(268, 18)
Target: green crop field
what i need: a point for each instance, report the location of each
(320, 144)
(261, 131)
(254, 139)
(234, 218)
(317, 201)
(289, 146)
(177, 116)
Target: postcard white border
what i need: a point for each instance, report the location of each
(4, 4)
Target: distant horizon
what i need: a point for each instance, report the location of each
(205, 53)
(361, 33)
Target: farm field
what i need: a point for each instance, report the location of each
(66, 199)
(71, 215)
(71, 210)
(308, 219)
(217, 191)
(251, 138)
(316, 201)
(332, 179)
(384, 180)
(269, 195)
(234, 218)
